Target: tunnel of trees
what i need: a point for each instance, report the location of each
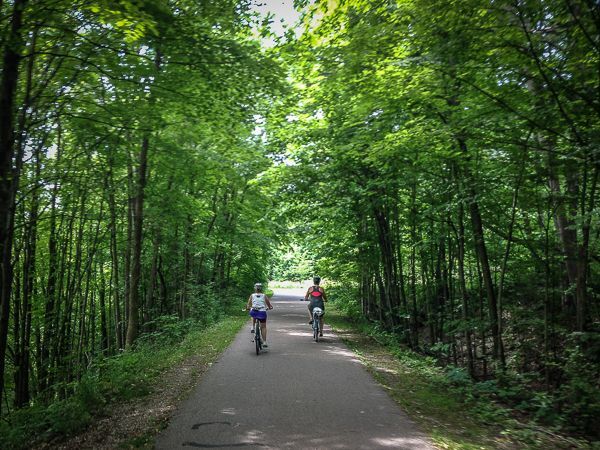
(436, 162)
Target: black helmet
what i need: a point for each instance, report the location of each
(316, 280)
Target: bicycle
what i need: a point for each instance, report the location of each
(316, 323)
(257, 337)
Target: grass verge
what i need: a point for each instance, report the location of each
(114, 381)
(455, 417)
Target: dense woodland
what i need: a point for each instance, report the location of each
(443, 172)
(436, 162)
(129, 187)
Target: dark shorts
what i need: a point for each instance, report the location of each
(317, 303)
(261, 316)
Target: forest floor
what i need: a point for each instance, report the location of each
(135, 423)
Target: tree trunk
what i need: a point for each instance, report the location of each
(389, 282)
(583, 255)
(485, 272)
(51, 284)
(129, 247)
(413, 265)
(22, 357)
(8, 89)
(463, 288)
(23, 337)
(104, 339)
(482, 256)
(149, 303)
(565, 226)
(136, 268)
(511, 227)
(114, 256)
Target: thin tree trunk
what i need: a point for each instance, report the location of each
(8, 89)
(23, 338)
(485, 273)
(104, 339)
(583, 252)
(390, 284)
(114, 256)
(129, 247)
(463, 289)
(511, 227)
(482, 256)
(132, 325)
(22, 357)
(413, 265)
(149, 303)
(73, 296)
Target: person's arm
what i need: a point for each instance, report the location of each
(307, 294)
(249, 304)
(324, 296)
(268, 301)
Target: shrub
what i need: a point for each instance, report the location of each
(458, 377)
(67, 417)
(21, 425)
(168, 329)
(205, 305)
(579, 396)
(37, 423)
(346, 300)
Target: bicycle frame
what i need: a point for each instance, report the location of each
(257, 337)
(316, 325)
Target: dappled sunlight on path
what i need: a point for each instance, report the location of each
(299, 394)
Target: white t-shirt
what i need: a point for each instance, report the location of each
(258, 302)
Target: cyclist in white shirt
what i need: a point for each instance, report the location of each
(258, 303)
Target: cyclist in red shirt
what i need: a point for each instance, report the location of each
(317, 297)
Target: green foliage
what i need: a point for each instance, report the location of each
(370, 150)
(119, 378)
(578, 398)
(432, 394)
(38, 423)
(153, 103)
(287, 284)
(168, 330)
(414, 124)
(292, 265)
(66, 417)
(345, 299)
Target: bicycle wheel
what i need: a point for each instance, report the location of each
(257, 338)
(316, 328)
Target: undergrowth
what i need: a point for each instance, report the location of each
(458, 412)
(119, 378)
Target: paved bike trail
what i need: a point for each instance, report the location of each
(298, 395)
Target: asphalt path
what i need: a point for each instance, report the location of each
(299, 394)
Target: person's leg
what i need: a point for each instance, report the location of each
(253, 326)
(321, 326)
(263, 330)
(310, 319)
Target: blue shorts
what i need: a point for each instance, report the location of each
(258, 315)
